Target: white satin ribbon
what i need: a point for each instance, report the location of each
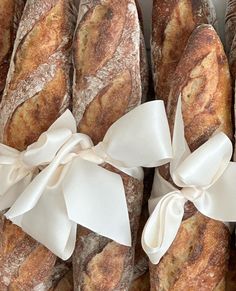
(72, 189)
(207, 179)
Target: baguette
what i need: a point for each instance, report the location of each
(107, 84)
(172, 23)
(198, 258)
(10, 14)
(37, 92)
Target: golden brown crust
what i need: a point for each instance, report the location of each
(173, 22)
(10, 13)
(101, 264)
(37, 92)
(38, 85)
(107, 84)
(107, 107)
(202, 78)
(107, 73)
(98, 36)
(198, 258)
(24, 264)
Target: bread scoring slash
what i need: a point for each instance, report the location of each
(198, 257)
(172, 24)
(107, 84)
(38, 90)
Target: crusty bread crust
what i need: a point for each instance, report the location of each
(203, 79)
(198, 257)
(172, 23)
(101, 264)
(107, 73)
(37, 92)
(107, 84)
(38, 83)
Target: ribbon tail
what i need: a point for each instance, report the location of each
(48, 223)
(12, 194)
(97, 201)
(160, 188)
(29, 198)
(162, 226)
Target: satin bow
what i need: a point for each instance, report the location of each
(73, 189)
(207, 179)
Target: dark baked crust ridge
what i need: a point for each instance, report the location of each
(172, 24)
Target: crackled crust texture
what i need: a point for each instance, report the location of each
(37, 92)
(107, 84)
(107, 73)
(198, 258)
(10, 14)
(38, 86)
(172, 23)
(101, 264)
(203, 79)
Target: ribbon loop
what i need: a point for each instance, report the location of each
(204, 176)
(214, 155)
(73, 189)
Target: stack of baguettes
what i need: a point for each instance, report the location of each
(94, 68)
(89, 56)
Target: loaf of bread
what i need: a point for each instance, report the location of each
(198, 258)
(107, 84)
(10, 14)
(172, 23)
(38, 90)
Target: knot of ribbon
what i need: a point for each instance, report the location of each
(205, 177)
(57, 183)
